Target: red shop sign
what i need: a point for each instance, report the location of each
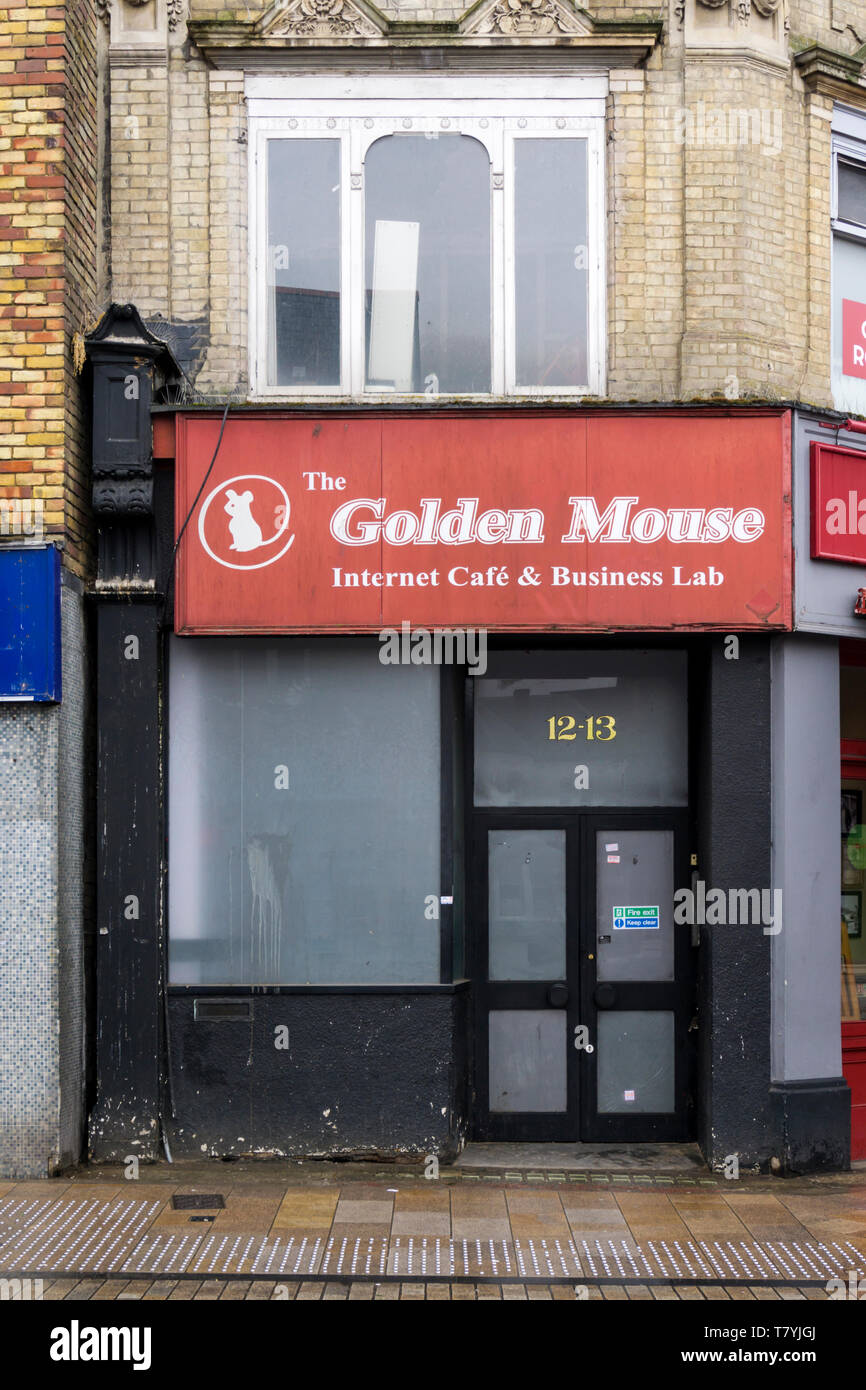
(838, 503)
(853, 338)
(579, 523)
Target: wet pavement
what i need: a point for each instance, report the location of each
(314, 1230)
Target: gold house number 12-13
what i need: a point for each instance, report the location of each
(597, 726)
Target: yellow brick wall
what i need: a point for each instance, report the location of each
(718, 234)
(47, 262)
(839, 24)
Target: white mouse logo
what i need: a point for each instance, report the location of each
(248, 508)
(246, 533)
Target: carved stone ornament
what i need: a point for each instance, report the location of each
(103, 10)
(315, 19)
(680, 12)
(174, 9)
(527, 19)
(765, 8)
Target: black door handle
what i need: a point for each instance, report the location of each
(604, 996)
(557, 995)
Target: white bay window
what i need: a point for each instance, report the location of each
(417, 246)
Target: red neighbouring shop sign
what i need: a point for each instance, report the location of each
(853, 338)
(578, 523)
(838, 503)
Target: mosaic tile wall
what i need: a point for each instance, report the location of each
(72, 817)
(41, 839)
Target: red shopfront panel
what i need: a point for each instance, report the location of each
(838, 503)
(854, 1072)
(513, 523)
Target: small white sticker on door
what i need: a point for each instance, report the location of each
(613, 859)
(611, 849)
(628, 1095)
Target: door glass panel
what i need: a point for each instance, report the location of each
(634, 904)
(526, 904)
(612, 732)
(528, 1060)
(635, 1062)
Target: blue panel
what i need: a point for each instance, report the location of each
(30, 624)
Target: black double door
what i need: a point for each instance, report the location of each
(584, 993)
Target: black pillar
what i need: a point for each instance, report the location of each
(128, 362)
(125, 1119)
(735, 1114)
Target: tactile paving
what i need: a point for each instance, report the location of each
(88, 1235)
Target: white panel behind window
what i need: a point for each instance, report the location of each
(395, 293)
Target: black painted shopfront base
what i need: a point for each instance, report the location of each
(813, 1119)
(362, 1074)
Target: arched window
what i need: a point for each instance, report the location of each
(427, 264)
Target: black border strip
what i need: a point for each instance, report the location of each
(296, 1277)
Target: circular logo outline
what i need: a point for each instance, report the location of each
(222, 487)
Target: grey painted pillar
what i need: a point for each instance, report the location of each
(813, 1102)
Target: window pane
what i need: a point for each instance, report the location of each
(303, 262)
(852, 192)
(323, 880)
(611, 733)
(551, 267)
(428, 264)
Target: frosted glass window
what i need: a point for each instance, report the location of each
(303, 813)
(620, 715)
(526, 904)
(634, 904)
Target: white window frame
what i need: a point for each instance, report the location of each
(360, 111)
(846, 151)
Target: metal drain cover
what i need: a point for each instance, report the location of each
(197, 1201)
